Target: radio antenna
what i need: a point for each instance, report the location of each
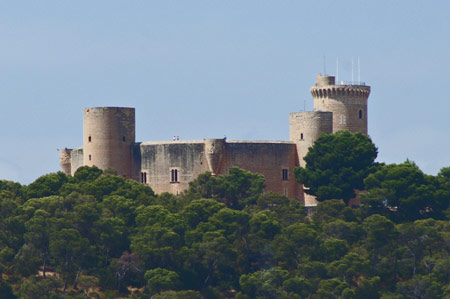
(337, 70)
(352, 70)
(359, 71)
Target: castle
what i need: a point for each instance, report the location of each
(169, 166)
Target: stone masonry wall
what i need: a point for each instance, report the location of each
(76, 159)
(190, 158)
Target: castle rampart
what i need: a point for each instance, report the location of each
(170, 166)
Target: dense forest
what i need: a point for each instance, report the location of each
(97, 235)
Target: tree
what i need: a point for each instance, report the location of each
(265, 283)
(420, 287)
(189, 294)
(418, 237)
(350, 268)
(381, 235)
(46, 185)
(406, 193)
(331, 288)
(69, 249)
(295, 244)
(445, 173)
(237, 189)
(289, 211)
(336, 165)
(160, 279)
(28, 260)
(127, 264)
(6, 291)
(87, 174)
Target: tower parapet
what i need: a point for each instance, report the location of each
(108, 137)
(348, 102)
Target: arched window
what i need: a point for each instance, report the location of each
(301, 136)
(89, 138)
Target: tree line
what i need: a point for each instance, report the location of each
(97, 235)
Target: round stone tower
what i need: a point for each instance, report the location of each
(108, 137)
(306, 127)
(347, 102)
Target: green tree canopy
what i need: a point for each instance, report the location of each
(237, 189)
(336, 165)
(405, 193)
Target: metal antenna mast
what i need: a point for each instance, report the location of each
(337, 70)
(352, 70)
(359, 71)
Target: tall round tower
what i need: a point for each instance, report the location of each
(108, 137)
(348, 102)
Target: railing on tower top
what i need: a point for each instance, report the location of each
(352, 83)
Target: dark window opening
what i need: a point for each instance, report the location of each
(301, 136)
(123, 138)
(360, 114)
(90, 157)
(143, 177)
(174, 176)
(89, 138)
(284, 174)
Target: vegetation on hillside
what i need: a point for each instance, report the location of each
(98, 235)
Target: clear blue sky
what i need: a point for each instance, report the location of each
(210, 68)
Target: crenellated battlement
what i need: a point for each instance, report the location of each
(347, 102)
(334, 91)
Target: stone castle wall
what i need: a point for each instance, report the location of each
(158, 159)
(269, 159)
(191, 158)
(76, 156)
